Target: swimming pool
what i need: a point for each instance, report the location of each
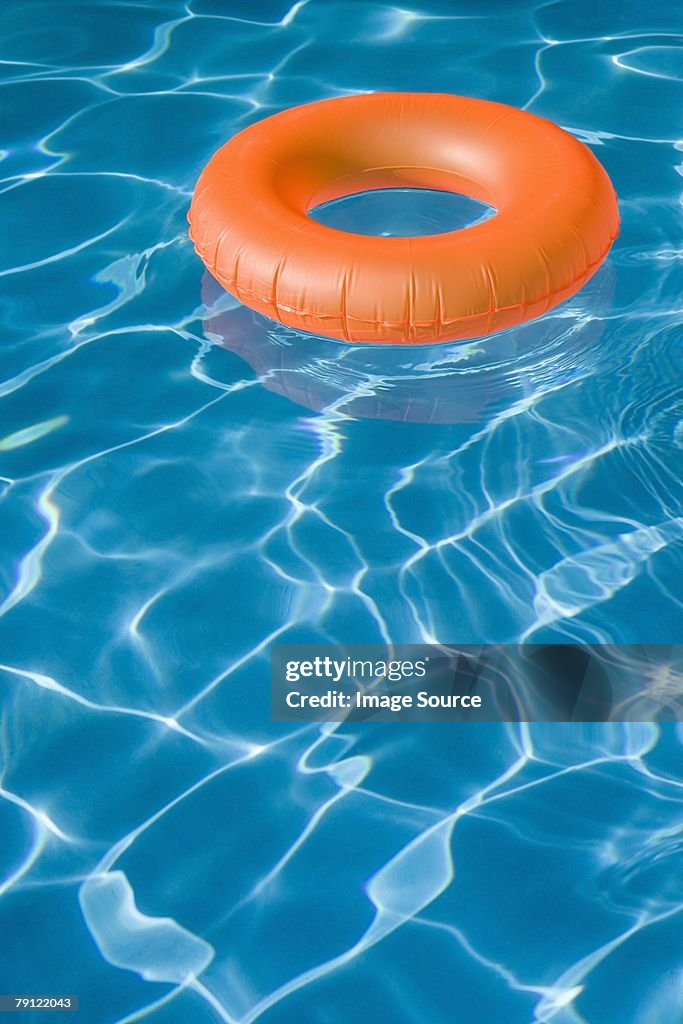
(183, 483)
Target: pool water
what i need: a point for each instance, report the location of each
(401, 213)
(183, 482)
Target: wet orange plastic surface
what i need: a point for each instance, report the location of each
(556, 217)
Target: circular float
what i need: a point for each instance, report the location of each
(556, 218)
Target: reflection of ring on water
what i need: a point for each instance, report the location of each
(447, 383)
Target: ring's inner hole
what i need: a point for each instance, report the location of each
(402, 212)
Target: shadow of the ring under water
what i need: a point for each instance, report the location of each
(458, 382)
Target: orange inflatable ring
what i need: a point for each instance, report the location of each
(556, 217)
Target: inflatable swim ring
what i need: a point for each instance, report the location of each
(556, 217)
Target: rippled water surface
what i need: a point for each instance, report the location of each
(183, 482)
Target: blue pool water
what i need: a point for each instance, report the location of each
(182, 483)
